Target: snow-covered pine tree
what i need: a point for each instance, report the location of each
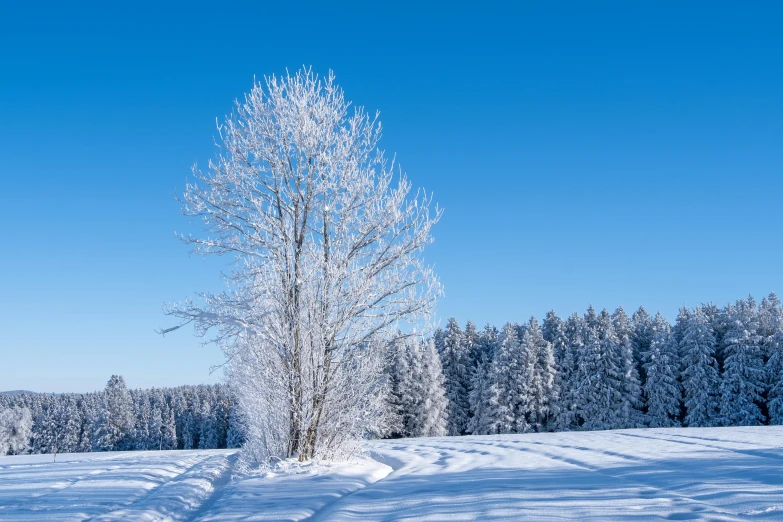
(89, 406)
(504, 404)
(680, 324)
(417, 394)
(772, 313)
(642, 336)
(523, 385)
(481, 386)
(169, 430)
(600, 373)
(234, 437)
(661, 364)
(551, 327)
(433, 408)
(678, 330)
(544, 391)
(480, 397)
(70, 423)
(570, 399)
(631, 387)
(210, 427)
(553, 331)
(457, 377)
(140, 437)
(49, 433)
(115, 418)
(472, 348)
(700, 377)
(720, 323)
(743, 368)
(489, 341)
(155, 427)
(16, 430)
(402, 395)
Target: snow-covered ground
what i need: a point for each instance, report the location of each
(676, 474)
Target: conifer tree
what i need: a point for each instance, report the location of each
(234, 437)
(553, 331)
(88, 418)
(600, 373)
(155, 428)
(472, 347)
(772, 313)
(457, 378)
(433, 410)
(743, 368)
(417, 392)
(480, 399)
(661, 364)
(505, 403)
(642, 336)
(481, 422)
(544, 392)
(631, 387)
(16, 429)
(680, 324)
(700, 377)
(570, 399)
(115, 418)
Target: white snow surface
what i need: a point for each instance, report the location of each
(653, 474)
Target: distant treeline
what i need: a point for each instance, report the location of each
(117, 419)
(712, 367)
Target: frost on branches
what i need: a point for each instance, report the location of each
(326, 242)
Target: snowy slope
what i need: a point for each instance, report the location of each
(676, 474)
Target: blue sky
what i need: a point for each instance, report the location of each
(613, 153)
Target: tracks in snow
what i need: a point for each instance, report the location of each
(184, 497)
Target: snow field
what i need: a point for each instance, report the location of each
(646, 474)
(143, 485)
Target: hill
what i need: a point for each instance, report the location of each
(14, 393)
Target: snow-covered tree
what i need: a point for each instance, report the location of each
(507, 405)
(661, 364)
(142, 411)
(771, 316)
(642, 336)
(543, 391)
(480, 398)
(328, 244)
(680, 324)
(473, 347)
(69, 423)
(433, 411)
(553, 331)
(481, 422)
(600, 372)
(235, 436)
(16, 430)
(402, 389)
(743, 376)
(115, 421)
(630, 414)
(570, 402)
(417, 393)
(456, 371)
(700, 377)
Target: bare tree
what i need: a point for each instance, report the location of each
(327, 269)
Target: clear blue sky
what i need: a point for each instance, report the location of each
(614, 153)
